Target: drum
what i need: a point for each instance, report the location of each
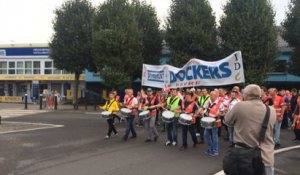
(168, 116)
(105, 114)
(185, 119)
(144, 115)
(208, 122)
(125, 111)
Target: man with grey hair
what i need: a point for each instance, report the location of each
(247, 117)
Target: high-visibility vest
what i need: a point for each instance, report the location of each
(174, 104)
(203, 100)
(151, 103)
(213, 111)
(189, 110)
(278, 102)
(129, 104)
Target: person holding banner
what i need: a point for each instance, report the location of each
(151, 103)
(214, 109)
(190, 108)
(174, 104)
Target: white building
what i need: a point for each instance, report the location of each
(27, 69)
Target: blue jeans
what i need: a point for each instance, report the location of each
(211, 137)
(277, 128)
(185, 129)
(172, 130)
(130, 126)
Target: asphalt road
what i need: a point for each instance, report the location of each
(79, 148)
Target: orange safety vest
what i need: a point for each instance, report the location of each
(129, 105)
(278, 101)
(213, 111)
(151, 103)
(189, 110)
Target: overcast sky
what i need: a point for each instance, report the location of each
(30, 21)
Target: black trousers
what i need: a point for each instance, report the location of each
(199, 128)
(111, 126)
(297, 134)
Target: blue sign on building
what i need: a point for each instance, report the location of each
(24, 51)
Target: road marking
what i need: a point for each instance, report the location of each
(92, 113)
(276, 152)
(44, 126)
(10, 113)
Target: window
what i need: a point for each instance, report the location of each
(28, 67)
(36, 67)
(11, 67)
(3, 67)
(48, 67)
(20, 67)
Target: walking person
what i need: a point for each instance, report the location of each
(174, 104)
(247, 118)
(214, 110)
(232, 102)
(131, 103)
(296, 122)
(151, 103)
(190, 108)
(279, 106)
(203, 99)
(112, 106)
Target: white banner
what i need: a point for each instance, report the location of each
(196, 73)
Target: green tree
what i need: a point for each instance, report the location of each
(117, 43)
(291, 33)
(248, 25)
(71, 44)
(151, 35)
(191, 31)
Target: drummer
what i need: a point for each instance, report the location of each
(214, 109)
(151, 103)
(112, 106)
(190, 108)
(131, 103)
(174, 104)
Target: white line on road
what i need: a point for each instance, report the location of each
(92, 113)
(44, 126)
(276, 152)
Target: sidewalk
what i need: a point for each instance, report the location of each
(62, 107)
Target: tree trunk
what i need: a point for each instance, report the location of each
(75, 100)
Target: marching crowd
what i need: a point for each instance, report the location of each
(201, 105)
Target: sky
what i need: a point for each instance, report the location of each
(30, 21)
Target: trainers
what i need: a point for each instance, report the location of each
(155, 138)
(183, 147)
(148, 140)
(207, 152)
(198, 134)
(168, 143)
(125, 138)
(107, 137)
(174, 143)
(133, 137)
(213, 154)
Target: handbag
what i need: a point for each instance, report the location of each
(244, 160)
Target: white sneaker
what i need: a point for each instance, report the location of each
(168, 143)
(107, 137)
(174, 143)
(198, 134)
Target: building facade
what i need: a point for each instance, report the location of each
(28, 69)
